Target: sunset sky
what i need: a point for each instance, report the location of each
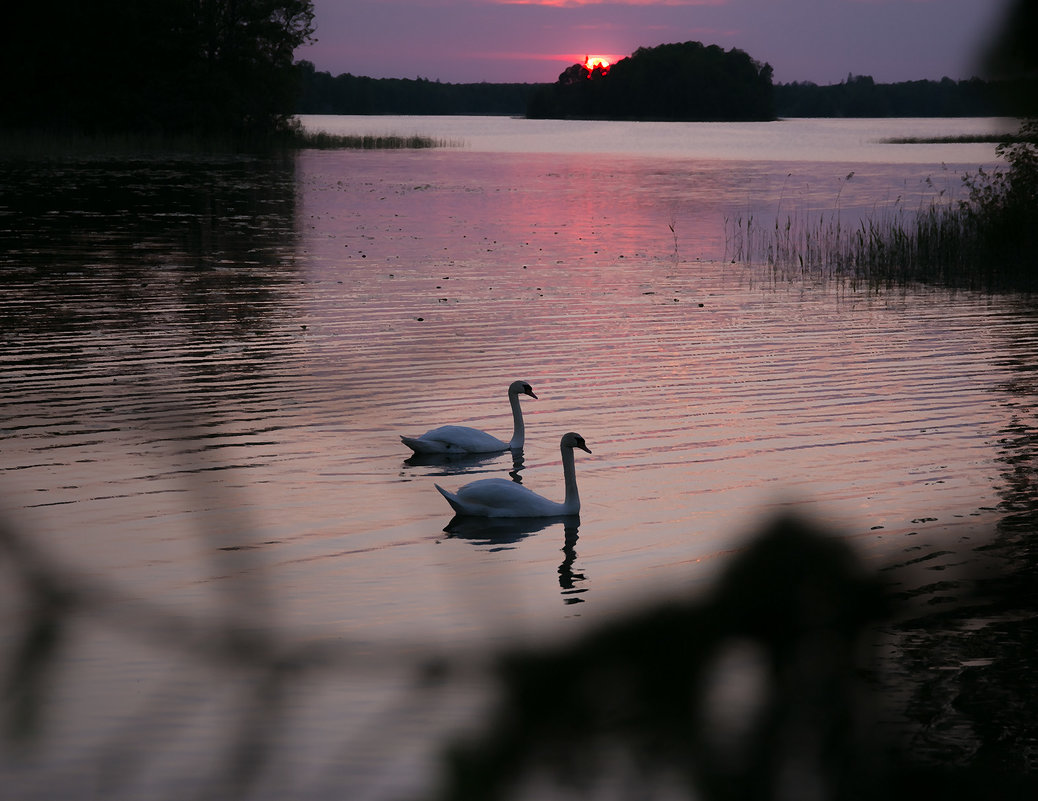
(532, 41)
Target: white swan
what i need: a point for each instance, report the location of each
(462, 439)
(499, 497)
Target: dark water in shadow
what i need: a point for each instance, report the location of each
(207, 365)
(961, 665)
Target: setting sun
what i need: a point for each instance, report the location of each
(603, 62)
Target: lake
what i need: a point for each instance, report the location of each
(208, 363)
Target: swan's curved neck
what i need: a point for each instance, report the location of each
(518, 429)
(569, 471)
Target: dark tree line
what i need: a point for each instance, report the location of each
(858, 96)
(351, 94)
(687, 81)
(861, 96)
(161, 66)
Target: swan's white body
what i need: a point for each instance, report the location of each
(462, 439)
(499, 497)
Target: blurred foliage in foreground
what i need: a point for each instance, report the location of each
(801, 676)
(769, 689)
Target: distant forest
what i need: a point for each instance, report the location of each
(353, 94)
(857, 96)
(861, 96)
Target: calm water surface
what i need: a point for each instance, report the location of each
(207, 366)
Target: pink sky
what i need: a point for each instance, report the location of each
(532, 41)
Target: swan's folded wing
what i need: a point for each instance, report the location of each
(456, 439)
(421, 446)
(499, 497)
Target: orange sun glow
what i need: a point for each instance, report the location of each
(591, 62)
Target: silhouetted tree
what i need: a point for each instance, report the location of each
(165, 66)
(688, 81)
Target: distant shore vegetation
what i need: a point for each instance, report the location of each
(323, 93)
(856, 96)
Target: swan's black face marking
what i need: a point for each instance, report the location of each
(577, 441)
(528, 390)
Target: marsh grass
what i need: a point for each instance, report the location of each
(987, 241)
(888, 245)
(959, 139)
(327, 141)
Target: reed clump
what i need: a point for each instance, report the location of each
(326, 141)
(989, 240)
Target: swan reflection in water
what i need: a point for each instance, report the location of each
(568, 578)
(459, 463)
(502, 534)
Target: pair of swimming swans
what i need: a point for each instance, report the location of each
(500, 497)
